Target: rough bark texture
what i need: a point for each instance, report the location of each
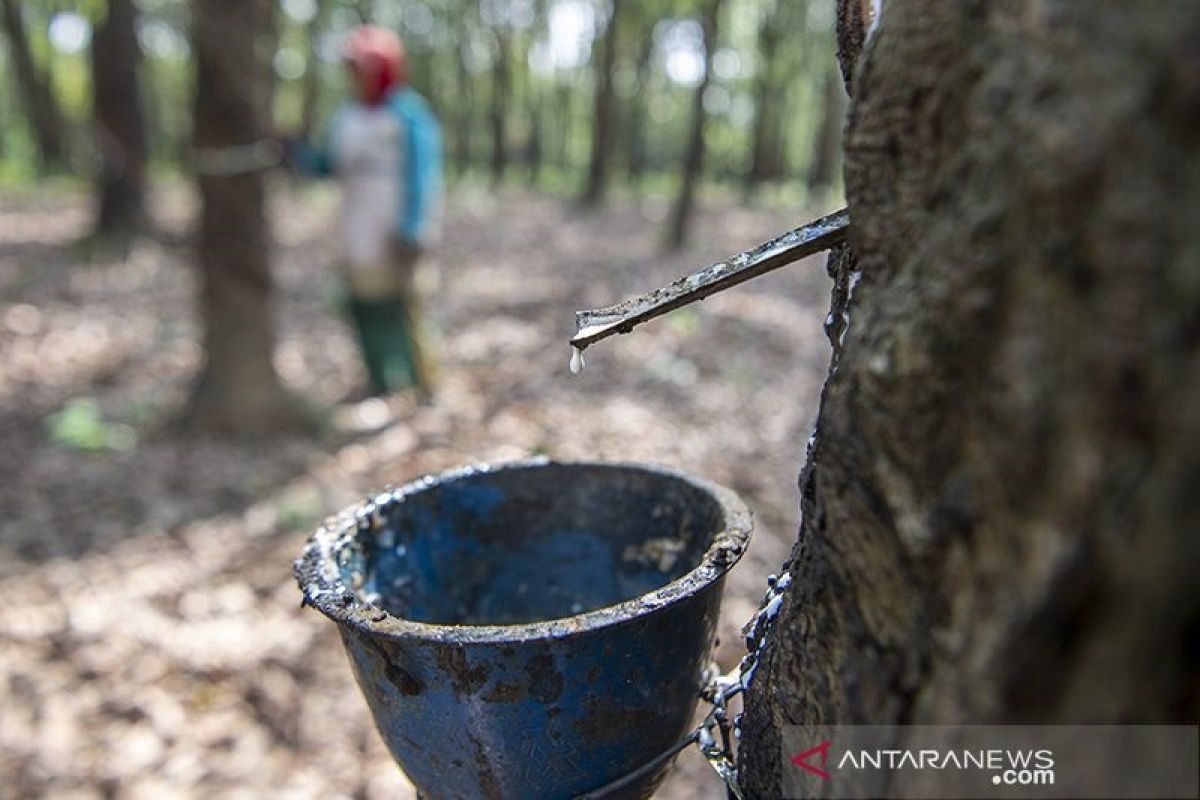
(1000, 505)
(45, 118)
(852, 22)
(120, 123)
(238, 390)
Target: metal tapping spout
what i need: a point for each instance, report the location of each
(599, 323)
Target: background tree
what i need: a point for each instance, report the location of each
(604, 93)
(501, 97)
(999, 507)
(311, 86)
(238, 389)
(640, 96)
(266, 47)
(693, 159)
(120, 123)
(41, 107)
(462, 133)
(827, 141)
(765, 148)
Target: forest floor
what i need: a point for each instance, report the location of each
(151, 643)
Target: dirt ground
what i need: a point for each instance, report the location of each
(151, 643)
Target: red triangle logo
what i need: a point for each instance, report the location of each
(801, 760)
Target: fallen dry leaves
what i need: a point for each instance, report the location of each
(150, 639)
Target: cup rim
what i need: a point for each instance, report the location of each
(317, 574)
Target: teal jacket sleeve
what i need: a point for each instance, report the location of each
(316, 159)
(421, 183)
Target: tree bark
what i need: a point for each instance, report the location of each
(120, 123)
(266, 45)
(602, 121)
(45, 118)
(693, 160)
(238, 390)
(999, 507)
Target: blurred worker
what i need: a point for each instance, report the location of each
(384, 148)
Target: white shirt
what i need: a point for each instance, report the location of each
(367, 151)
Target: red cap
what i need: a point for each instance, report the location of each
(377, 60)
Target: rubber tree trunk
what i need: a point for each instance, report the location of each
(464, 106)
(535, 140)
(563, 95)
(120, 123)
(764, 130)
(534, 148)
(638, 150)
(1000, 505)
(603, 133)
(266, 45)
(41, 109)
(501, 97)
(827, 143)
(238, 390)
(693, 159)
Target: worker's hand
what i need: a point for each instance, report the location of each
(292, 145)
(404, 250)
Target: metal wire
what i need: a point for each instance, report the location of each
(238, 159)
(717, 690)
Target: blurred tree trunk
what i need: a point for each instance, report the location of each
(120, 123)
(563, 94)
(501, 97)
(266, 46)
(465, 105)
(637, 112)
(310, 89)
(534, 147)
(999, 509)
(41, 108)
(602, 119)
(693, 159)
(238, 390)
(535, 144)
(827, 144)
(764, 130)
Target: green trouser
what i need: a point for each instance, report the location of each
(390, 337)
